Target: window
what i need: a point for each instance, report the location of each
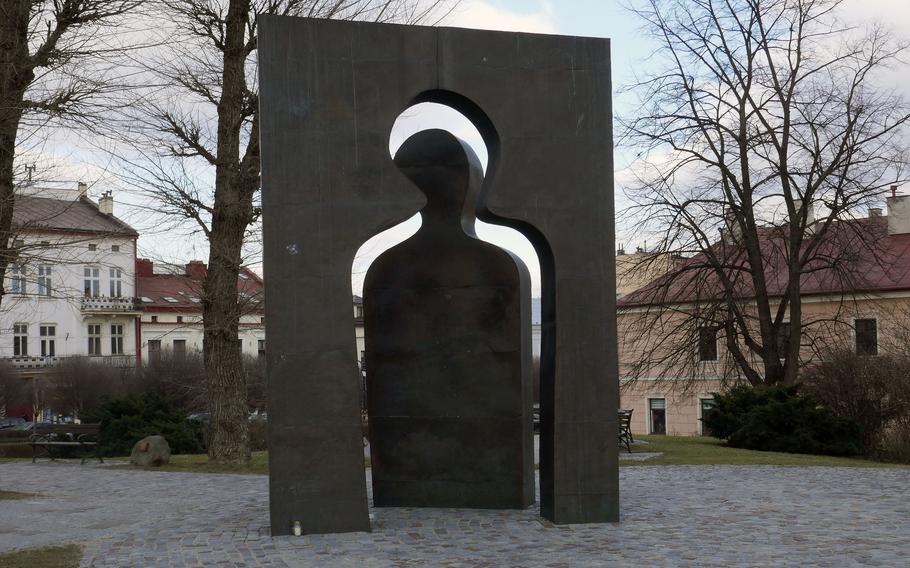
(657, 408)
(117, 339)
(94, 339)
(93, 247)
(179, 319)
(154, 319)
(154, 350)
(261, 350)
(866, 337)
(116, 282)
(179, 348)
(707, 343)
(20, 339)
(171, 300)
(17, 279)
(44, 280)
(262, 320)
(115, 248)
(783, 339)
(91, 281)
(358, 312)
(48, 340)
(705, 405)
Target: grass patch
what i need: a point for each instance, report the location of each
(66, 556)
(199, 463)
(677, 450)
(690, 450)
(15, 495)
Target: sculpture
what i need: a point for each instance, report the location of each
(329, 94)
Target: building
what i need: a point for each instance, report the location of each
(171, 302)
(634, 270)
(71, 291)
(867, 312)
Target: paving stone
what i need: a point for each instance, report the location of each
(671, 516)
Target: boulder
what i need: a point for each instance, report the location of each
(151, 451)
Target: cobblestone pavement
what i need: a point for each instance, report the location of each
(671, 516)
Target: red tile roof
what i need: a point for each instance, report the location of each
(186, 291)
(856, 256)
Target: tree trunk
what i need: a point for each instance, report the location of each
(232, 212)
(13, 80)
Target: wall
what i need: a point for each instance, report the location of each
(683, 381)
(68, 255)
(190, 330)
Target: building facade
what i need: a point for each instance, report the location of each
(71, 292)
(171, 301)
(672, 364)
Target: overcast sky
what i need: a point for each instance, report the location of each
(597, 18)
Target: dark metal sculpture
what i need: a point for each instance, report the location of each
(330, 92)
(448, 349)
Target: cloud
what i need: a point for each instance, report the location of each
(481, 14)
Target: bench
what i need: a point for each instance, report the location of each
(625, 430)
(47, 438)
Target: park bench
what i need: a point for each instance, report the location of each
(625, 429)
(50, 437)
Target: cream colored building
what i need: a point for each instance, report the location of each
(670, 368)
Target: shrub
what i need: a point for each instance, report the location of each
(127, 420)
(873, 391)
(896, 441)
(780, 419)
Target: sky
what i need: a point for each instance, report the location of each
(631, 51)
(596, 18)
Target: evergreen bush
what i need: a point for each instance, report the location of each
(127, 420)
(780, 419)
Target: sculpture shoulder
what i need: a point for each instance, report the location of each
(425, 262)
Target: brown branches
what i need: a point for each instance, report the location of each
(766, 115)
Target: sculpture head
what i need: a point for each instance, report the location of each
(448, 172)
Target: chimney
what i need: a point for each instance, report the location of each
(898, 213)
(106, 203)
(620, 251)
(731, 233)
(875, 212)
(83, 190)
(196, 269)
(144, 267)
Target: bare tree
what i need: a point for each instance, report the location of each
(46, 47)
(768, 126)
(198, 156)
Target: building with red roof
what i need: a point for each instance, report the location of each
(855, 295)
(171, 300)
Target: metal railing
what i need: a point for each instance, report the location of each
(108, 304)
(25, 362)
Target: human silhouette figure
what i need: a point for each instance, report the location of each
(448, 349)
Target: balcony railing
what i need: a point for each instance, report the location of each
(106, 304)
(118, 361)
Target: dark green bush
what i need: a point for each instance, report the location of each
(780, 419)
(127, 420)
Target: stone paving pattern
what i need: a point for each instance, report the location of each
(671, 516)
